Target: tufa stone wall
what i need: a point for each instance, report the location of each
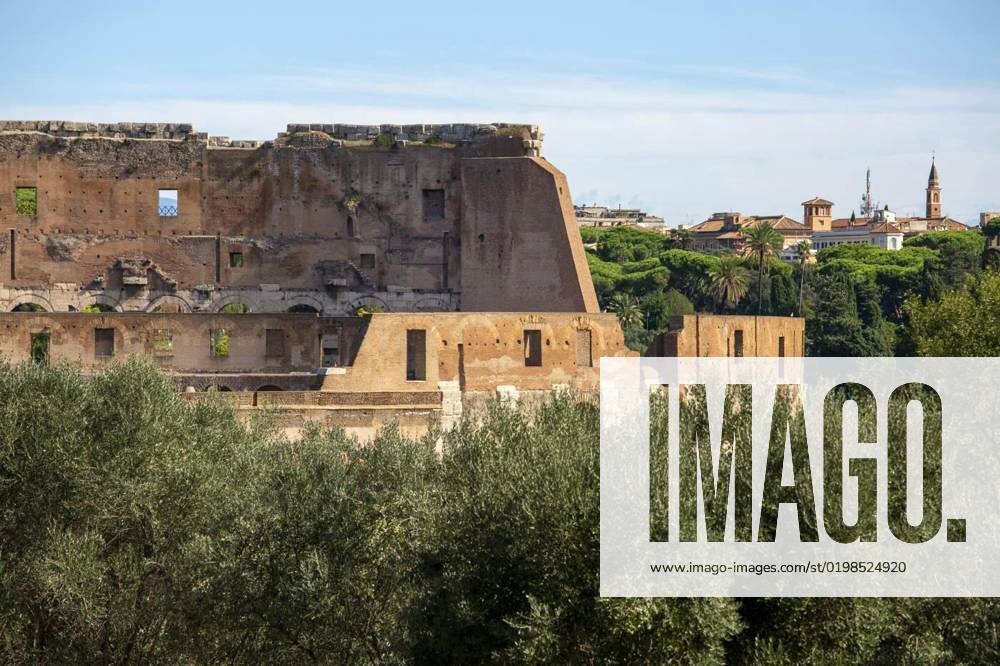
(730, 335)
(482, 352)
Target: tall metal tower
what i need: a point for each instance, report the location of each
(867, 207)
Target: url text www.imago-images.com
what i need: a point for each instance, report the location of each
(800, 477)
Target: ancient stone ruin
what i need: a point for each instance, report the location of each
(354, 274)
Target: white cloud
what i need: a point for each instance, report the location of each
(681, 152)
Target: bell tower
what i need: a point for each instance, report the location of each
(817, 214)
(933, 192)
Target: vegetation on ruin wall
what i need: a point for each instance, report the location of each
(854, 298)
(139, 528)
(25, 201)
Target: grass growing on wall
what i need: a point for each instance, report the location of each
(26, 201)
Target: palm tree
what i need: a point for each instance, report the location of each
(627, 309)
(762, 241)
(728, 281)
(803, 250)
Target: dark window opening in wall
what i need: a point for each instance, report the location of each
(330, 344)
(28, 307)
(302, 308)
(274, 339)
(163, 342)
(738, 344)
(26, 201)
(220, 342)
(533, 348)
(584, 355)
(167, 201)
(104, 342)
(350, 227)
(781, 345)
(368, 262)
(433, 204)
(40, 346)
(416, 355)
(236, 260)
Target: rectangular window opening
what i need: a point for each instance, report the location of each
(433, 204)
(236, 260)
(274, 339)
(781, 346)
(168, 204)
(104, 342)
(220, 342)
(163, 342)
(330, 349)
(40, 346)
(533, 348)
(368, 262)
(738, 344)
(416, 355)
(26, 201)
(584, 355)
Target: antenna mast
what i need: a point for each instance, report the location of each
(866, 198)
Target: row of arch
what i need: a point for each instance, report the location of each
(229, 305)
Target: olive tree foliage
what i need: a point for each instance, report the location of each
(513, 556)
(139, 528)
(135, 528)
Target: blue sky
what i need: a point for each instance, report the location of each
(681, 108)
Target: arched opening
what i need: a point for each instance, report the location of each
(98, 307)
(302, 308)
(169, 305)
(270, 387)
(28, 307)
(235, 308)
(367, 305)
(217, 388)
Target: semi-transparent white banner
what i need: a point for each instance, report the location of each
(826, 477)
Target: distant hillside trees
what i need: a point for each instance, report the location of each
(961, 322)
(853, 298)
(668, 280)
